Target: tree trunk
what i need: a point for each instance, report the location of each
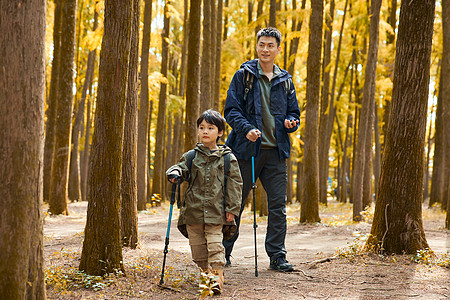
(52, 101)
(76, 189)
(273, 13)
(365, 112)
(310, 205)
(149, 155)
(143, 117)
(377, 157)
(205, 64)
(88, 86)
(325, 109)
(193, 68)
(344, 185)
(445, 90)
(426, 179)
(22, 89)
(225, 21)
(74, 184)
(86, 152)
(397, 225)
(129, 218)
(184, 51)
(60, 168)
(390, 40)
(294, 43)
(299, 186)
(218, 57)
(437, 176)
(157, 186)
(102, 247)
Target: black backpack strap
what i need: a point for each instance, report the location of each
(226, 170)
(248, 83)
(190, 158)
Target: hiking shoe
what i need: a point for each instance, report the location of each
(280, 264)
(228, 261)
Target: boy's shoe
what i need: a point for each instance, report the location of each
(280, 264)
(228, 261)
(219, 278)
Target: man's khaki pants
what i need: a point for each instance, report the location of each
(206, 245)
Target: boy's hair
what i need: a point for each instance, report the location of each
(269, 31)
(213, 117)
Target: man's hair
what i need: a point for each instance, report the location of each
(212, 117)
(269, 31)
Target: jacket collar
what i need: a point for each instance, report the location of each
(252, 67)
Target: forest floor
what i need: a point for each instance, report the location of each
(327, 257)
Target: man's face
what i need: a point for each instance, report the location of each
(267, 49)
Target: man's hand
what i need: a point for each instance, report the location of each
(290, 123)
(229, 216)
(253, 135)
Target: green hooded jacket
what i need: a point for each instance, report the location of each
(203, 201)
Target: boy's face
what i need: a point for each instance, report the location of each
(267, 49)
(208, 134)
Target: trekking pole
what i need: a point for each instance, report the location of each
(254, 207)
(166, 247)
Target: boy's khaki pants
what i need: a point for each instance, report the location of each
(206, 245)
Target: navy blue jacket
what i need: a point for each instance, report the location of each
(243, 117)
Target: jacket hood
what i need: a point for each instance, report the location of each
(252, 67)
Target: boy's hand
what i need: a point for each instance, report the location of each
(173, 176)
(290, 123)
(229, 216)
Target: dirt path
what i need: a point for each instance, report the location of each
(355, 277)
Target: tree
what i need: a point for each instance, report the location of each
(445, 90)
(438, 174)
(60, 167)
(143, 117)
(366, 113)
(397, 223)
(102, 247)
(77, 188)
(206, 59)
(52, 101)
(310, 198)
(217, 55)
(273, 13)
(157, 187)
(84, 165)
(193, 68)
(129, 216)
(22, 88)
(326, 109)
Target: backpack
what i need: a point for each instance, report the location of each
(226, 170)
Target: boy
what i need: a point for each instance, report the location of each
(207, 215)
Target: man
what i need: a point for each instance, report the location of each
(262, 108)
